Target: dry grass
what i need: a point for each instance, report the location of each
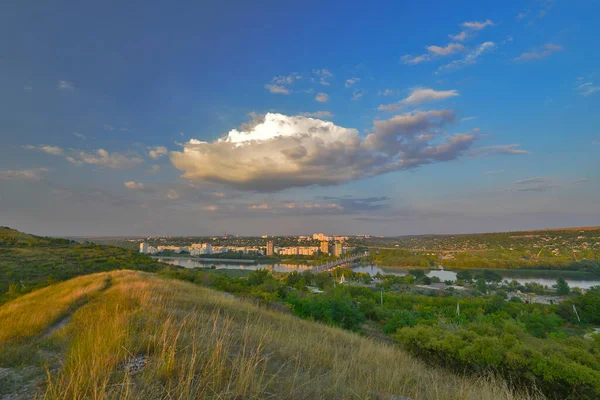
(31, 314)
(204, 344)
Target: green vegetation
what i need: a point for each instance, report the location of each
(575, 249)
(530, 345)
(28, 262)
(142, 336)
(76, 339)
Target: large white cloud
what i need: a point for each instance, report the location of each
(277, 151)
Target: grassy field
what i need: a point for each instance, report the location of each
(126, 335)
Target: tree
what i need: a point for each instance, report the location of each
(417, 273)
(481, 285)
(464, 276)
(562, 287)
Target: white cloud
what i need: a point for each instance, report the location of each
(277, 89)
(322, 72)
(433, 52)
(528, 181)
(548, 49)
(387, 92)
(134, 186)
(451, 48)
(317, 114)
(286, 79)
(520, 16)
(79, 135)
(154, 169)
(157, 152)
(322, 97)
(493, 172)
(280, 151)
(459, 37)
(172, 194)
(351, 81)
(104, 158)
(508, 149)
(465, 119)
(477, 25)
(587, 90)
(22, 174)
(357, 95)
(54, 150)
(108, 127)
(420, 96)
(471, 57)
(65, 85)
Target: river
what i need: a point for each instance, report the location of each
(545, 279)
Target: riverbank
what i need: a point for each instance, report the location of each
(209, 260)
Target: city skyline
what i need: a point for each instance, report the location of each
(387, 119)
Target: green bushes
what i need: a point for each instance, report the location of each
(557, 367)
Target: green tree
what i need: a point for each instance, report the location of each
(562, 287)
(481, 285)
(464, 276)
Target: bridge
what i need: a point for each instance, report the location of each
(336, 263)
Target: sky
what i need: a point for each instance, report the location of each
(281, 118)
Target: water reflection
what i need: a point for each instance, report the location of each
(372, 270)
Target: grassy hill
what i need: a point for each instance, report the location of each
(126, 334)
(28, 262)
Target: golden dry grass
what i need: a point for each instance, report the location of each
(205, 344)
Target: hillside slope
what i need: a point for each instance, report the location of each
(127, 334)
(28, 262)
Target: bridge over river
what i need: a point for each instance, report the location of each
(330, 265)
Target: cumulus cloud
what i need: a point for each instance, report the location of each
(351, 81)
(433, 52)
(294, 151)
(471, 57)
(420, 96)
(157, 152)
(538, 54)
(477, 25)
(65, 85)
(277, 89)
(318, 114)
(459, 37)
(54, 150)
(34, 174)
(322, 97)
(104, 158)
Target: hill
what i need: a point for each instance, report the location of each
(569, 248)
(126, 334)
(28, 262)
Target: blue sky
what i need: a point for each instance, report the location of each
(383, 118)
